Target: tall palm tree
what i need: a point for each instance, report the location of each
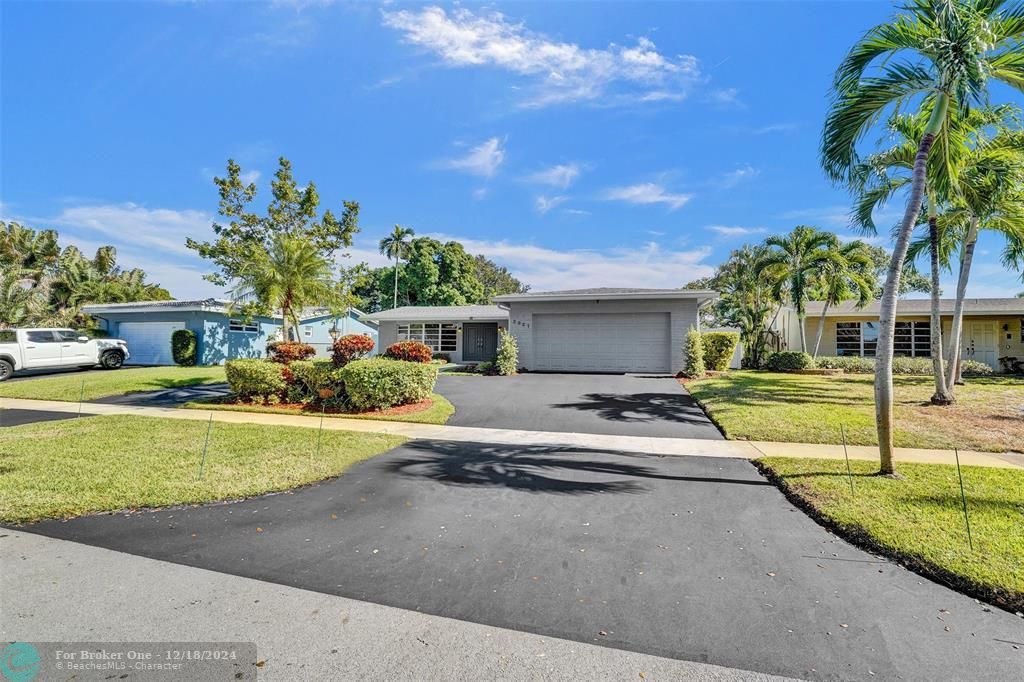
(396, 246)
(746, 300)
(290, 276)
(794, 260)
(952, 49)
(848, 274)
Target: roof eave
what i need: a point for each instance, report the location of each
(682, 294)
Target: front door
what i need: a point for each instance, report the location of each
(479, 342)
(980, 342)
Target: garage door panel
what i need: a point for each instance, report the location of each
(149, 343)
(603, 342)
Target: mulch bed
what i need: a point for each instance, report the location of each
(304, 408)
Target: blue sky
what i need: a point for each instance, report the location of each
(579, 144)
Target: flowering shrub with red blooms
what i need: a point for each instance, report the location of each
(289, 351)
(350, 347)
(411, 351)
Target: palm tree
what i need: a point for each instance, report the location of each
(396, 245)
(953, 48)
(794, 261)
(746, 300)
(290, 276)
(848, 274)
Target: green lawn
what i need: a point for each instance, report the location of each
(752, 405)
(920, 519)
(103, 383)
(438, 413)
(66, 468)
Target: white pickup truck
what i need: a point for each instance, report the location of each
(55, 348)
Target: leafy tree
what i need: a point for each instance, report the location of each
(793, 261)
(956, 47)
(912, 280)
(396, 246)
(495, 279)
(848, 274)
(293, 212)
(440, 274)
(291, 275)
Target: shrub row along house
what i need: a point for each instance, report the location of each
(221, 333)
(993, 328)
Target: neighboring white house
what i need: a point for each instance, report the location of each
(993, 328)
(582, 330)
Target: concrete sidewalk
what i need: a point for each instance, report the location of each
(54, 590)
(693, 447)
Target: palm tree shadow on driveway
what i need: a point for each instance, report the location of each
(540, 469)
(640, 407)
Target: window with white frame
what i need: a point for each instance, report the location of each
(243, 326)
(440, 336)
(912, 339)
(307, 331)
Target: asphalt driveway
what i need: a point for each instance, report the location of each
(688, 557)
(609, 404)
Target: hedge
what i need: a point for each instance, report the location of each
(719, 347)
(411, 351)
(251, 378)
(507, 360)
(378, 383)
(693, 351)
(317, 380)
(289, 351)
(854, 364)
(183, 347)
(789, 360)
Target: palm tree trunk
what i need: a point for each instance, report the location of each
(957, 327)
(942, 396)
(395, 303)
(890, 292)
(821, 329)
(801, 318)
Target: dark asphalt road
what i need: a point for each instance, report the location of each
(610, 404)
(688, 557)
(11, 417)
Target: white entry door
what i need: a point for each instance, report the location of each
(149, 343)
(980, 342)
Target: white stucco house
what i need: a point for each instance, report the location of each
(580, 330)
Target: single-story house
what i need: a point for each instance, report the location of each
(993, 328)
(581, 330)
(221, 333)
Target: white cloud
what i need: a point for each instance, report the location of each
(575, 211)
(561, 175)
(725, 97)
(550, 269)
(733, 178)
(558, 71)
(647, 193)
(158, 228)
(775, 128)
(545, 204)
(480, 193)
(249, 177)
(483, 160)
(736, 230)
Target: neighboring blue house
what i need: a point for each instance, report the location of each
(221, 334)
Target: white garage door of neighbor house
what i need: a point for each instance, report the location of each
(602, 342)
(149, 343)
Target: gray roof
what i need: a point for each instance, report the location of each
(607, 292)
(439, 313)
(197, 304)
(922, 306)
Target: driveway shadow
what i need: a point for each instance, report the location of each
(640, 407)
(538, 469)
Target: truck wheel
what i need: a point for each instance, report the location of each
(6, 370)
(112, 360)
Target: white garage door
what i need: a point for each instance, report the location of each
(149, 343)
(604, 342)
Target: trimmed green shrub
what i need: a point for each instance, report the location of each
(975, 368)
(377, 383)
(410, 351)
(694, 355)
(508, 353)
(315, 381)
(441, 357)
(183, 347)
(719, 348)
(789, 360)
(289, 351)
(351, 347)
(260, 379)
(852, 364)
